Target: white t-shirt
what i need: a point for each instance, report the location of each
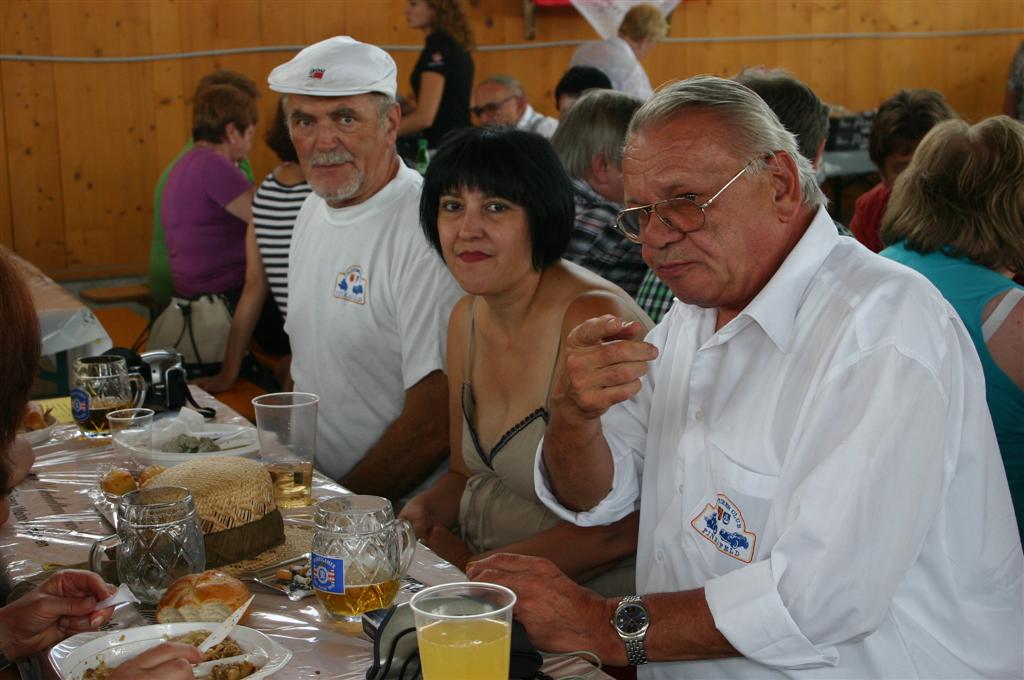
(368, 307)
(615, 59)
(825, 467)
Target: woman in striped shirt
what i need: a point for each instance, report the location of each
(274, 209)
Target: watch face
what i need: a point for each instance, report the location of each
(631, 618)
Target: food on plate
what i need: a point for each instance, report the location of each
(149, 473)
(223, 650)
(186, 443)
(209, 596)
(35, 418)
(118, 481)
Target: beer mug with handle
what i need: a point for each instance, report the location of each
(102, 385)
(360, 554)
(158, 540)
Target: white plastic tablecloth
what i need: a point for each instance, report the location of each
(54, 523)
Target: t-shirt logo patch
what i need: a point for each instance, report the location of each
(351, 285)
(316, 73)
(722, 524)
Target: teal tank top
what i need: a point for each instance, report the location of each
(968, 287)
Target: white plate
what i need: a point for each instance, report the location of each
(77, 654)
(242, 445)
(41, 436)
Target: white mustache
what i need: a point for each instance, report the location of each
(330, 158)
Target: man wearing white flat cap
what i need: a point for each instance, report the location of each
(368, 299)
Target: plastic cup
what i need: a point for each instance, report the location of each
(131, 429)
(286, 422)
(464, 630)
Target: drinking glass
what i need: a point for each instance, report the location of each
(131, 430)
(464, 630)
(158, 540)
(102, 384)
(286, 422)
(360, 554)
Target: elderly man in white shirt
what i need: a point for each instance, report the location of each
(806, 433)
(501, 100)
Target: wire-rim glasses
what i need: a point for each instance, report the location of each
(676, 213)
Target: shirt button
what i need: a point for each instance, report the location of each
(698, 415)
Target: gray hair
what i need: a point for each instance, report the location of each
(509, 82)
(596, 124)
(755, 130)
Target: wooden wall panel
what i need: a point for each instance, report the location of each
(30, 125)
(108, 151)
(82, 145)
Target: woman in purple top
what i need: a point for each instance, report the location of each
(207, 202)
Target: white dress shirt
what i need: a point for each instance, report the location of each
(537, 122)
(825, 467)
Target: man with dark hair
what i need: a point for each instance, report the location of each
(161, 284)
(575, 82)
(368, 299)
(901, 122)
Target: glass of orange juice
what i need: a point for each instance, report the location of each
(464, 630)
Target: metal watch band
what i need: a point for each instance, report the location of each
(635, 652)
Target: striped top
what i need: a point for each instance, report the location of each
(274, 209)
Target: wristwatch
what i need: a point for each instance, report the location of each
(631, 622)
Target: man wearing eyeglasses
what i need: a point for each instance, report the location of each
(806, 434)
(501, 100)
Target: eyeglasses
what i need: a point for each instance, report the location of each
(680, 213)
(492, 108)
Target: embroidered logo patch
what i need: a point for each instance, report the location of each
(351, 285)
(722, 524)
(436, 58)
(316, 73)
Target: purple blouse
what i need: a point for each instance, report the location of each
(205, 243)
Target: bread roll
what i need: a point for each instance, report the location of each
(34, 418)
(118, 482)
(209, 596)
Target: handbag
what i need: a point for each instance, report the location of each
(197, 329)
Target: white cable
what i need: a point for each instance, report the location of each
(895, 35)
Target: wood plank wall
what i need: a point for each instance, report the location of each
(82, 144)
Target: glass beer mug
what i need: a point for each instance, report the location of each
(102, 385)
(158, 540)
(360, 554)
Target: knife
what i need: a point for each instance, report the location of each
(223, 630)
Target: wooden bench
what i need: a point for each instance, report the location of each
(114, 295)
(125, 326)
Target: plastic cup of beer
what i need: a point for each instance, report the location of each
(131, 430)
(286, 422)
(464, 630)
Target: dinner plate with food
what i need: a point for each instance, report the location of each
(37, 424)
(246, 653)
(214, 439)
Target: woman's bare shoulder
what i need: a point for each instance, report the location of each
(591, 296)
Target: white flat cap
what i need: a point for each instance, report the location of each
(337, 67)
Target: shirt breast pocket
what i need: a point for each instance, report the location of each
(727, 527)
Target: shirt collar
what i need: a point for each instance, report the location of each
(775, 307)
(528, 115)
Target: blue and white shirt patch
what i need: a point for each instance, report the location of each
(722, 524)
(351, 285)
